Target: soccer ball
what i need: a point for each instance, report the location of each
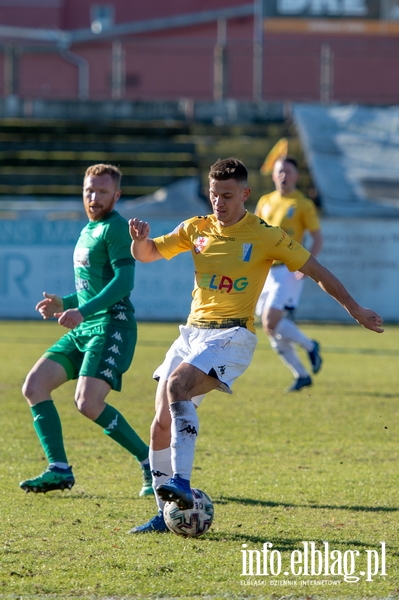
(192, 522)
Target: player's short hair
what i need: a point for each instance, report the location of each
(229, 168)
(105, 169)
(289, 159)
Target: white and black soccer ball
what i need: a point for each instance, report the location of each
(192, 522)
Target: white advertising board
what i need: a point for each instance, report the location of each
(36, 256)
(364, 255)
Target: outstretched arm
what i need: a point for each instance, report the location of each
(332, 286)
(143, 247)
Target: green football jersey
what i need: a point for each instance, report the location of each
(104, 273)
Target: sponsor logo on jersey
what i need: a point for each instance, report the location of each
(223, 238)
(223, 283)
(117, 336)
(81, 284)
(111, 361)
(290, 212)
(81, 257)
(199, 244)
(283, 236)
(246, 252)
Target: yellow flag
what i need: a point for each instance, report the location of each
(278, 150)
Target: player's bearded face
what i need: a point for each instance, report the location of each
(99, 196)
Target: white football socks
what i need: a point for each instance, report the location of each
(288, 356)
(288, 330)
(184, 435)
(161, 470)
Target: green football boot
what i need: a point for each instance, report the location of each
(53, 478)
(147, 489)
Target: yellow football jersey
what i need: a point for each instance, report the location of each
(231, 265)
(294, 213)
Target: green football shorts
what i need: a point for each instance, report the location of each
(104, 352)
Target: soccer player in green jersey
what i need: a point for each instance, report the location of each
(100, 345)
(232, 251)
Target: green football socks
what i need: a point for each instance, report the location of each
(116, 426)
(47, 424)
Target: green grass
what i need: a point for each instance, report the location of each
(320, 465)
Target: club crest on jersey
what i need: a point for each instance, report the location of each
(199, 244)
(246, 252)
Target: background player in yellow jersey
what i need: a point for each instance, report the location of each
(232, 251)
(289, 209)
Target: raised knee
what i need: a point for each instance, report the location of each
(25, 388)
(30, 387)
(82, 405)
(173, 387)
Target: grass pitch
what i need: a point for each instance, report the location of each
(319, 466)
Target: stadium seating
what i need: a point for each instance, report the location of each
(45, 159)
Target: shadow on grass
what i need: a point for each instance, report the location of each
(271, 504)
(374, 395)
(376, 351)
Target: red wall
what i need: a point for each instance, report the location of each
(179, 63)
(77, 12)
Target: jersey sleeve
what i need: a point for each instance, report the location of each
(119, 287)
(70, 301)
(279, 246)
(118, 241)
(175, 242)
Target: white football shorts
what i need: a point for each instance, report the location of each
(281, 290)
(222, 353)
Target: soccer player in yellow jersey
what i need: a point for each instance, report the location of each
(232, 251)
(289, 209)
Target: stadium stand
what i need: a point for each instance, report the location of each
(44, 159)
